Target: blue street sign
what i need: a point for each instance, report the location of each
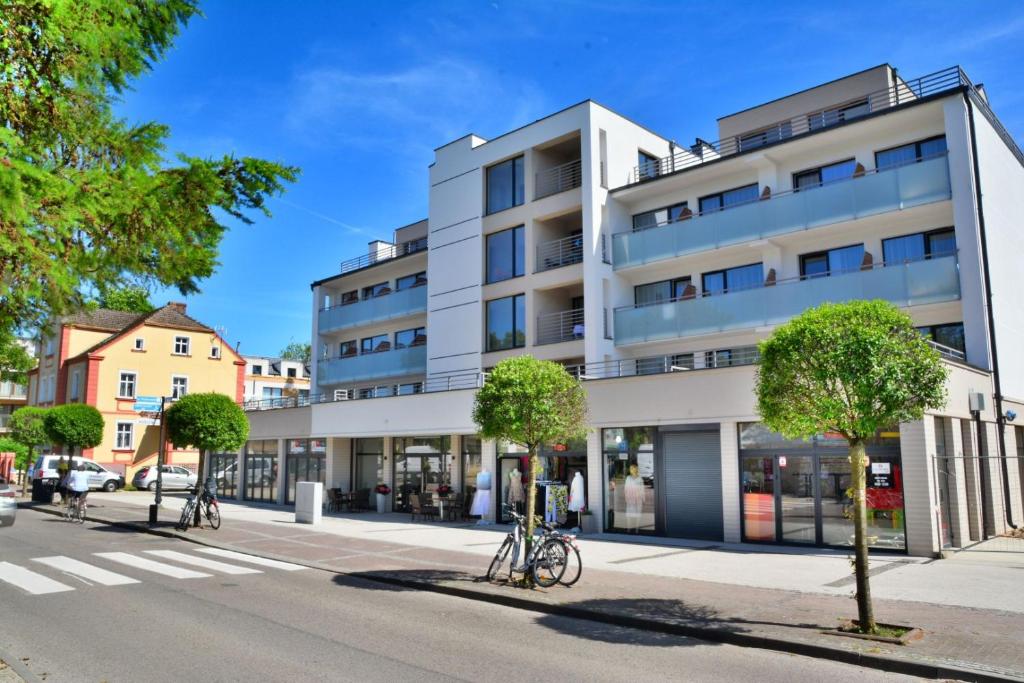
(146, 404)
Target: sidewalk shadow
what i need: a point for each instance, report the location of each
(392, 580)
(659, 623)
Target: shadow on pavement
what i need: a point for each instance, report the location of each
(378, 580)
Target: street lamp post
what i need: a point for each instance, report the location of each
(161, 456)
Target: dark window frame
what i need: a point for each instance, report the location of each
(418, 332)
(818, 169)
(515, 181)
(350, 297)
(927, 235)
(418, 280)
(838, 113)
(672, 282)
(917, 149)
(375, 341)
(681, 206)
(721, 197)
(368, 292)
(515, 324)
(929, 331)
(517, 266)
(828, 261)
(648, 165)
(352, 344)
(725, 272)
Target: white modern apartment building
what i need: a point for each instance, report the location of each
(267, 379)
(651, 268)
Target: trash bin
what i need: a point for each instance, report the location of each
(43, 489)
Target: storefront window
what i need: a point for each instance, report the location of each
(421, 465)
(472, 462)
(369, 464)
(630, 495)
(224, 468)
(306, 461)
(261, 471)
(558, 465)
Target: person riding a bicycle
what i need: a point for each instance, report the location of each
(78, 484)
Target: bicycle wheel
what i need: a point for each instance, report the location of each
(186, 517)
(573, 566)
(81, 512)
(500, 559)
(549, 563)
(213, 514)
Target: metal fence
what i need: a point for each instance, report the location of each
(558, 179)
(385, 253)
(553, 328)
(561, 252)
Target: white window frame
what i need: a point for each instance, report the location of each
(135, 383)
(140, 344)
(214, 352)
(118, 446)
(174, 394)
(188, 345)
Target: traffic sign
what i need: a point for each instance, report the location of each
(147, 404)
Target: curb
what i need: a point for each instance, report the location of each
(872, 661)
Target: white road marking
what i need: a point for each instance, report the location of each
(36, 584)
(252, 559)
(153, 566)
(203, 562)
(85, 571)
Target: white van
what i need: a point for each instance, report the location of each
(99, 476)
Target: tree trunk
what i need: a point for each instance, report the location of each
(858, 468)
(531, 500)
(199, 487)
(24, 472)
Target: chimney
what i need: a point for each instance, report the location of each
(178, 306)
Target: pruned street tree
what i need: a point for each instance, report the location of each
(74, 425)
(27, 426)
(851, 368)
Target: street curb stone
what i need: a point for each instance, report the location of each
(935, 671)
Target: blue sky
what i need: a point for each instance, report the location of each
(359, 94)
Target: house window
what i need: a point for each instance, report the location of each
(291, 372)
(823, 175)
(350, 297)
(410, 281)
(646, 165)
(379, 289)
(723, 200)
(140, 344)
(506, 254)
(76, 379)
(909, 153)
(126, 385)
(181, 346)
(257, 369)
(125, 436)
(918, 246)
(660, 292)
(760, 138)
(49, 346)
(718, 359)
(412, 388)
(271, 392)
(214, 352)
(832, 262)
(733, 279)
(831, 117)
(179, 386)
(650, 219)
(949, 334)
(375, 344)
(506, 323)
(414, 337)
(505, 186)
(348, 348)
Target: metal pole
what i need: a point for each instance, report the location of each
(161, 455)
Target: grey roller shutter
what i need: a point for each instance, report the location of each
(693, 485)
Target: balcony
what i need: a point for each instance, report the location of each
(385, 253)
(559, 253)
(394, 305)
(558, 179)
(872, 193)
(553, 328)
(408, 361)
(906, 284)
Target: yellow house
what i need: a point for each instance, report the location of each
(116, 361)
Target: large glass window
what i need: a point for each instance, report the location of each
(949, 334)
(723, 200)
(824, 175)
(410, 281)
(506, 323)
(846, 112)
(369, 464)
(306, 461)
(126, 385)
(630, 495)
(224, 469)
(505, 187)
(909, 153)
(733, 279)
(650, 219)
(413, 337)
(764, 137)
(472, 463)
(379, 289)
(919, 246)
(647, 165)
(832, 262)
(421, 465)
(506, 253)
(261, 471)
(657, 292)
(374, 344)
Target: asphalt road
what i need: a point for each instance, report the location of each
(87, 617)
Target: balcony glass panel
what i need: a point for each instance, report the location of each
(401, 303)
(909, 284)
(889, 190)
(410, 361)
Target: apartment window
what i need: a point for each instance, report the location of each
(661, 364)
(723, 200)
(140, 344)
(647, 165)
(257, 369)
(410, 281)
(179, 386)
(832, 262)
(414, 337)
(379, 289)
(505, 186)
(506, 254)
(831, 117)
(126, 385)
(374, 344)
(919, 246)
(350, 297)
(49, 346)
(650, 219)
(718, 359)
(659, 292)
(411, 388)
(909, 153)
(764, 137)
(125, 436)
(181, 345)
(506, 323)
(733, 279)
(76, 379)
(214, 352)
(347, 348)
(948, 334)
(291, 372)
(272, 392)
(823, 175)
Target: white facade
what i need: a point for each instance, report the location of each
(271, 379)
(865, 187)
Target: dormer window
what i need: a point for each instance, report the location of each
(214, 352)
(140, 344)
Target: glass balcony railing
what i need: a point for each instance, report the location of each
(908, 284)
(395, 305)
(407, 361)
(873, 193)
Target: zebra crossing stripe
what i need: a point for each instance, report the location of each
(85, 571)
(153, 566)
(36, 584)
(203, 562)
(252, 559)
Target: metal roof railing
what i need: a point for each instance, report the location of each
(391, 251)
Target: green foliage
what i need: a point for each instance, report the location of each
(850, 368)
(27, 425)
(133, 299)
(297, 351)
(89, 201)
(9, 445)
(209, 422)
(74, 425)
(530, 402)
(15, 361)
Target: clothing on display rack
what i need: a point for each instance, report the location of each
(482, 498)
(635, 494)
(555, 503)
(516, 492)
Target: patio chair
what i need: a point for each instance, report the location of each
(333, 500)
(360, 500)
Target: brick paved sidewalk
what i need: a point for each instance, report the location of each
(975, 641)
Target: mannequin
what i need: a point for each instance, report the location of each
(577, 498)
(516, 493)
(482, 498)
(634, 492)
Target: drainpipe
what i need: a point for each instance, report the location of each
(1000, 420)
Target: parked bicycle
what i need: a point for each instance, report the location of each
(546, 560)
(208, 507)
(573, 561)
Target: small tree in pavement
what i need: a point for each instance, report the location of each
(74, 425)
(28, 429)
(850, 368)
(530, 402)
(208, 422)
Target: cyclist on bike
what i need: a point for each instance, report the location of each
(78, 484)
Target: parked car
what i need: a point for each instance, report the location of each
(99, 476)
(8, 504)
(174, 477)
